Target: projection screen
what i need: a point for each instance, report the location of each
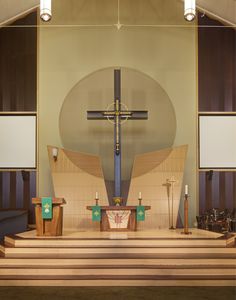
(17, 141)
(217, 141)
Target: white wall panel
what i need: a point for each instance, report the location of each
(17, 141)
(217, 140)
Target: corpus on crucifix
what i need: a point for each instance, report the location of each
(117, 115)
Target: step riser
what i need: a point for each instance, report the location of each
(118, 250)
(111, 244)
(109, 277)
(100, 283)
(116, 263)
(120, 240)
(233, 267)
(122, 256)
(117, 272)
(121, 252)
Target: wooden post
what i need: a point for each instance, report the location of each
(186, 215)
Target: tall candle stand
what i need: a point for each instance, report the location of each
(186, 231)
(172, 181)
(167, 184)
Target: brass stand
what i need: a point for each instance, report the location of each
(186, 216)
(139, 201)
(96, 199)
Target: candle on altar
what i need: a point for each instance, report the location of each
(96, 195)
(140, 195)
(186, 190)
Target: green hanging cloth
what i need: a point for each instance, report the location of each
(96, 213)
(140, 214)
(47, 208)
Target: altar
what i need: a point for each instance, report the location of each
(118, 218)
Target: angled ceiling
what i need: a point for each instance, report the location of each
(224, 9)
(10, 9)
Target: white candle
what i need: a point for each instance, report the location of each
(140, 195)
(186, 189)
(96, 195)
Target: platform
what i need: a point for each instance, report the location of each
(141, 258)
(155, 238)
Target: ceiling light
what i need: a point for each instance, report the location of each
(45, 10)
(189, 10)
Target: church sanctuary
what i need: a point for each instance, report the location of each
(118, 149)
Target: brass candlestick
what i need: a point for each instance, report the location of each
(96, 201)
(140, 201)
(186, 215)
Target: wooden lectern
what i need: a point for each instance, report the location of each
(49, 227)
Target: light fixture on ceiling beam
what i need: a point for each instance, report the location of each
(45, 10)
(189, 10)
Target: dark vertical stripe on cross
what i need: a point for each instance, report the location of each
(117, 135)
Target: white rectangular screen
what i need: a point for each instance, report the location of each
(217, 141)
(17, 141)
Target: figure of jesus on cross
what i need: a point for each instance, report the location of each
(117, 115)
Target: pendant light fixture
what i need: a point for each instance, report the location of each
(45, 10)
(189, 10)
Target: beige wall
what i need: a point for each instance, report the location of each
(167, 54)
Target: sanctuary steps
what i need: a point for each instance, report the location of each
(119, 259)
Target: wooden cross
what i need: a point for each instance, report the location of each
(117, 115)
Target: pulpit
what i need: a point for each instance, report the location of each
(118, 218)
(53, 226)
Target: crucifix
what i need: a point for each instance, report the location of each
(117, 115)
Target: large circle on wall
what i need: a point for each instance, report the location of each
(96, 92)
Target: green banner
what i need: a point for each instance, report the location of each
(96, 213)
(140, 214)
(47, 208)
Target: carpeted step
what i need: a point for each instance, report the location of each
(70, 263)
(117, 252)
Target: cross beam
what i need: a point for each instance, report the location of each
(117, 115)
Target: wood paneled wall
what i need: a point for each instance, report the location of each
(217, 93)
(17, 188)
(18, 93)
(216, 66)
(217, 190)
(18, 64)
